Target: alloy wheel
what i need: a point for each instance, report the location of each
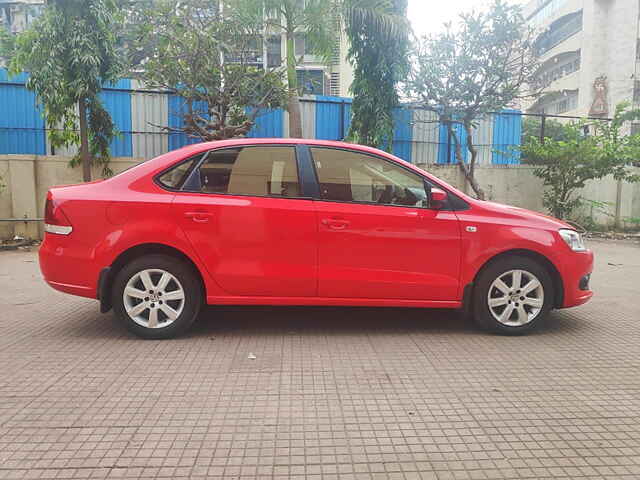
(153, 298)
(515, 298)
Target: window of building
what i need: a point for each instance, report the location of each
(557, 104)
(565, 67)
(300, 45)
(558, 32)
(274, 51)
(248, 52)
(311, 82)
(346, 176)
(565, 104)
(258, 171)
(544, 13)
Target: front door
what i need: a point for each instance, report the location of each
(247, 220)
(377, 238)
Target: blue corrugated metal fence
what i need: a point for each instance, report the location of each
(21, 123)
(22, 129)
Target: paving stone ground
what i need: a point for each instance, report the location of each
(333, 392)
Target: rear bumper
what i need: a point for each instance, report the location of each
(67, 267)
(576, 287)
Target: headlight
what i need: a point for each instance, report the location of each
(573, 239)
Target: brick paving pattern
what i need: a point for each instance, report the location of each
(332, 393)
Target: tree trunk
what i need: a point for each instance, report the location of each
(471, 178)
(464, 168)
(293, 107)
(84, 141)
(295, 118)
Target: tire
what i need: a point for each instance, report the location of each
(160, 284)
(499, 307)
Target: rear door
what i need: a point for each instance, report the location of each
(377, 237)
(247, 218)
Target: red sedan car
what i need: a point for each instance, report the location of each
(302, 222)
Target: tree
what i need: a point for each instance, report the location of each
(70, 52)
(208, 60)
(566, 165)
(532, 129)
(312, 23)
(378, 33)
(532, 126)
(464, 74)
(7, 45)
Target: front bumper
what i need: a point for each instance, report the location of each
(576, 276)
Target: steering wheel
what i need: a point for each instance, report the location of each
(387, 195)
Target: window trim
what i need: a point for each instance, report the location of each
(205, 155)
(450, 205)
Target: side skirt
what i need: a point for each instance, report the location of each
(324, 301)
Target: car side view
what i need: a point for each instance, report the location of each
(302, 222)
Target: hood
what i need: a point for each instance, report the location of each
(540, 219)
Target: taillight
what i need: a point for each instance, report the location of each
(55, 221)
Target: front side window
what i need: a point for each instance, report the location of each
(259, 171)
(354, 177)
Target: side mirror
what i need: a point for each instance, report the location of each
(437, 198)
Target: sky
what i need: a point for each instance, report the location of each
(427, 16)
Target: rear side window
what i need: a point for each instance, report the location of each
(259, 171)
(175, 177)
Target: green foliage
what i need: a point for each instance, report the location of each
(195, 53)
(465, 73)
(7, 44)
(314, 20)
(70, 51)
(531, 127)
(378, 34)
(607, 210)
(566, 165)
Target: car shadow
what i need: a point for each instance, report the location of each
(271, 320)
(248, 320)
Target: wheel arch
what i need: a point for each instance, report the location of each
(108, 274)
(522, 252)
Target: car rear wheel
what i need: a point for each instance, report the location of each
(157, 296)
(512, 296)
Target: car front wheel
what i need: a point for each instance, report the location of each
(512, 296)
(157, 296)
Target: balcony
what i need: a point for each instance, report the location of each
(557, 67)
(558, 32)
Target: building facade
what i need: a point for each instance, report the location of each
(15, 16)
(588, 52)
(315, 77)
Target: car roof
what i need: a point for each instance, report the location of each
(283, 141)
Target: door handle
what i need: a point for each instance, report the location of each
(335, 223)
(199, 217)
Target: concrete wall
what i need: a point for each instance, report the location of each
(27, 179)
(517, 185)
